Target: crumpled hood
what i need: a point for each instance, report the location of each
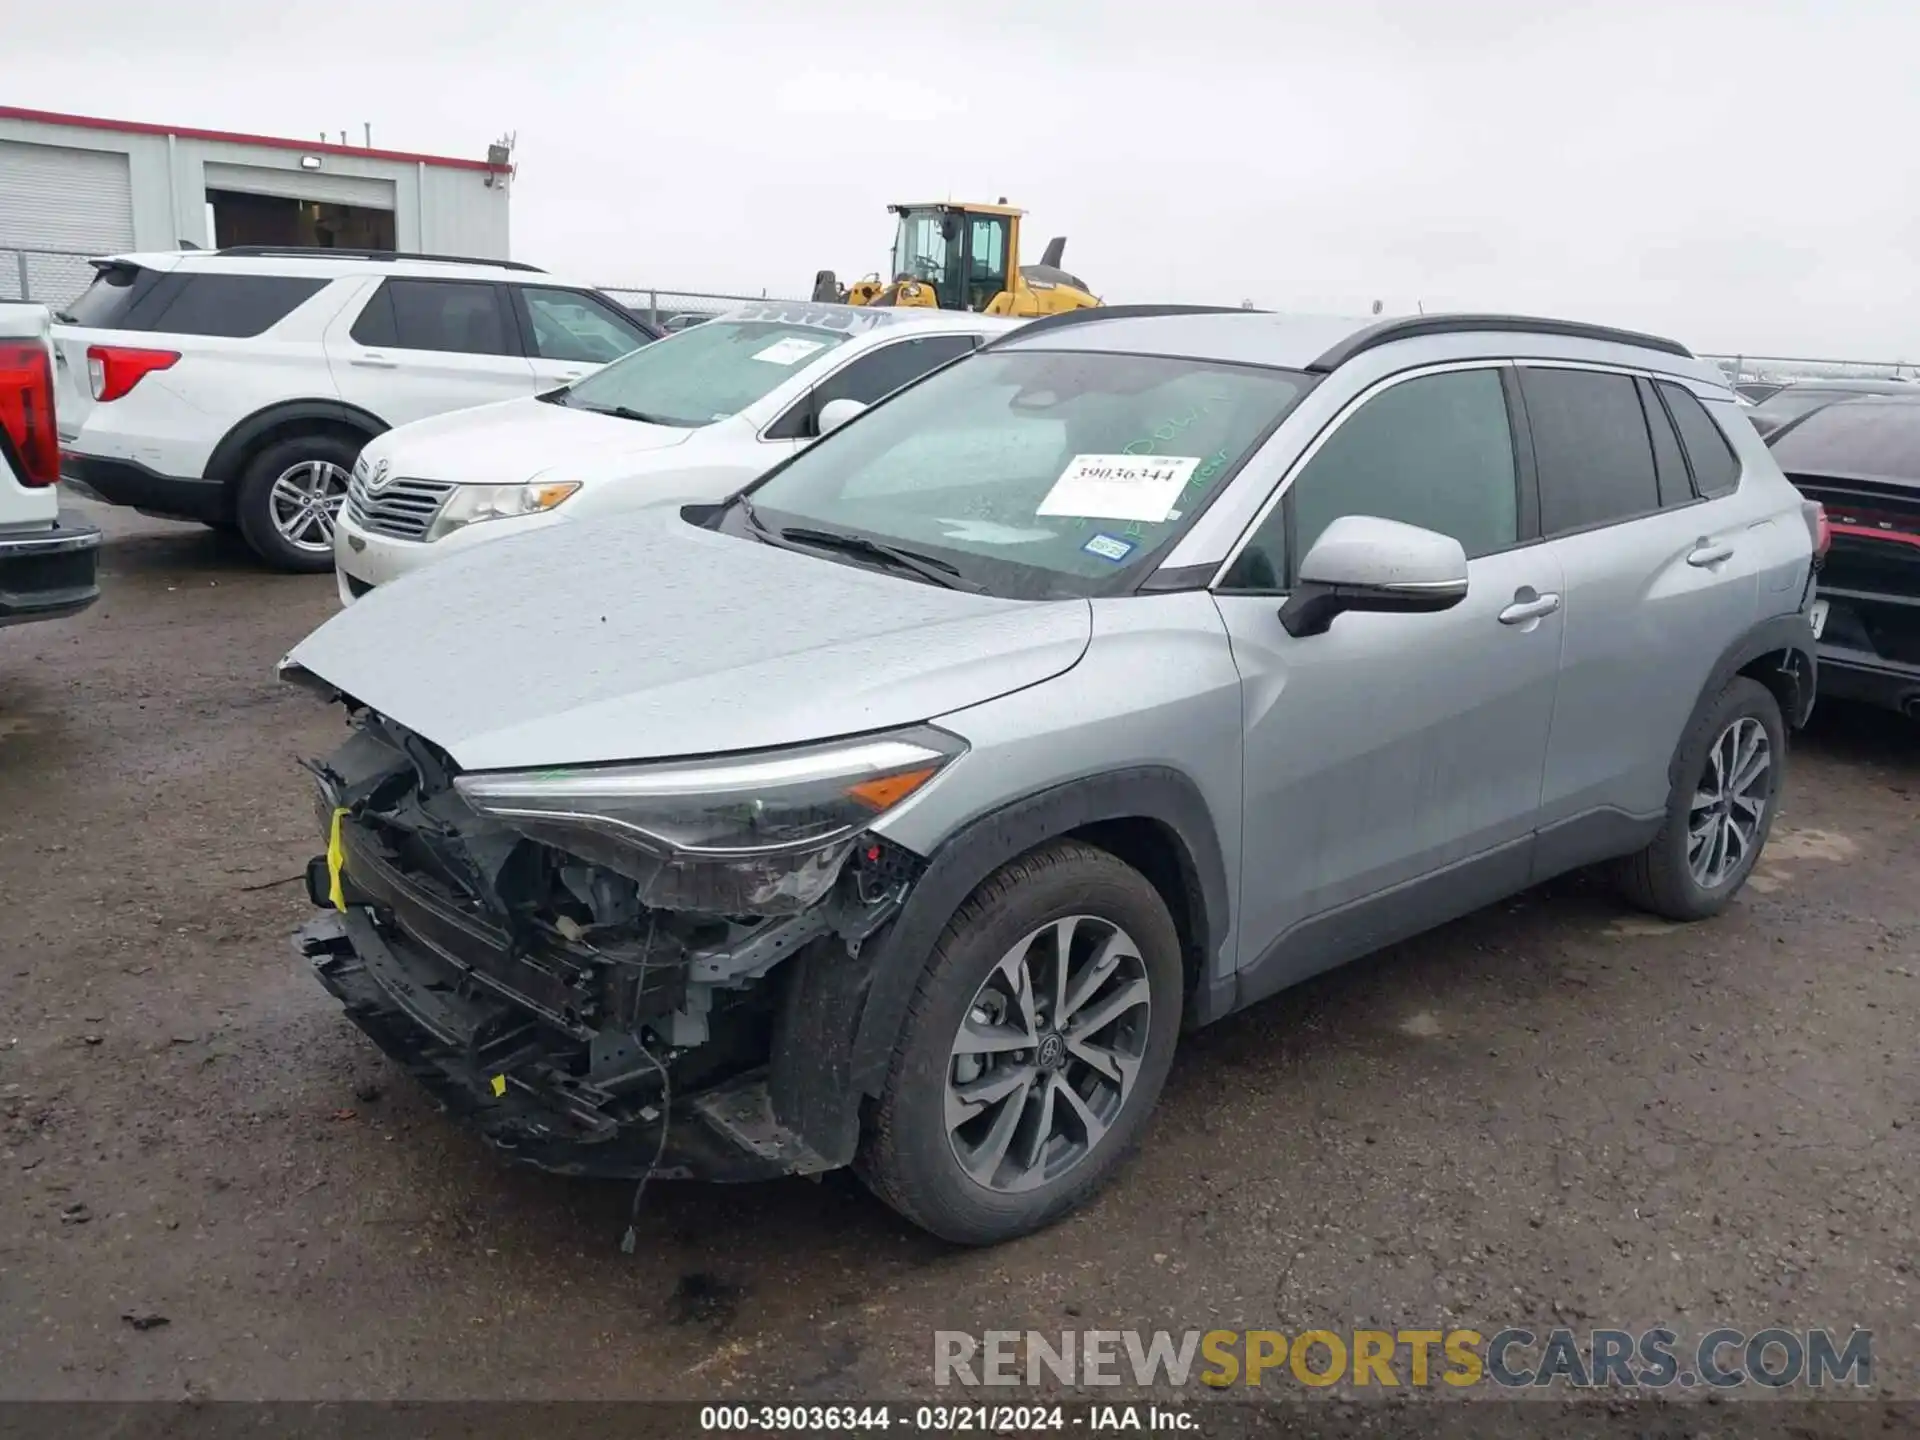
(641, 637)
(511, 442)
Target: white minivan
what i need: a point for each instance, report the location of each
(689, 418)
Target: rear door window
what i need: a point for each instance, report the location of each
(456, 316)
(1591, 446)
(1715, 469)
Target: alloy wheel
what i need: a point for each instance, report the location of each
(304, 501)
(1046, 1057)
(1723, 823)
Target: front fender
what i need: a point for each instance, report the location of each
(981, 847)
(843, 1012)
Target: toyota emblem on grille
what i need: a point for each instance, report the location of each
(378, 479)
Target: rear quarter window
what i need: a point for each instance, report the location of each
(1716, 471)
(235, 306)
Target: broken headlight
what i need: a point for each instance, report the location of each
(746, 834)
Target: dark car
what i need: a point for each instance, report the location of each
(1802, 397)
(1759, 391)
(1860, 458)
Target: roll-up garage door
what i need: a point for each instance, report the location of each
(302, 185)
(57, 207)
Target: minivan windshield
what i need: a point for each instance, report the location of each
(702, 374)
(1034, 473)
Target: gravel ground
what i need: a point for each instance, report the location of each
(1555, 1111)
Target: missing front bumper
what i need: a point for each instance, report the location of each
(473, 1053)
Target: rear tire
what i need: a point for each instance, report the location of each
(1032, 1151)
(289, 496)
(1732, 760)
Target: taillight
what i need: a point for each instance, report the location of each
(26, 409)
(1818, 526)
(113, 370)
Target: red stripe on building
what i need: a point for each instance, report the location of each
(235, 137)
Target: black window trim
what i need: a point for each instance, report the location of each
(512, 331)
(804, 399)
(1686, 454)
(1652, 404)
(1526, 486)
(523, 318)
(1633, 374)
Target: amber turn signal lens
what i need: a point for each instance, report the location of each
(890, 790)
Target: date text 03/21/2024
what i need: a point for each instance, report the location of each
(943, 1419)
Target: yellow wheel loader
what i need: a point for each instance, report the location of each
(964, 257)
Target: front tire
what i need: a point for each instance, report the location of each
(289, 498)
(1032, 1051)
(1731, 769)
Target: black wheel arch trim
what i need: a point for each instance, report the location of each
(1791, 635)
(225, 462)
(969, 856)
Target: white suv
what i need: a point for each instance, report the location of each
(236, 387)
(689, 419)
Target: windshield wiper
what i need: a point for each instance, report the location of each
(912, 561)
(622, 412)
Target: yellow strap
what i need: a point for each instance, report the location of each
(336, 858)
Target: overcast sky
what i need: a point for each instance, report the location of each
(1736, 174)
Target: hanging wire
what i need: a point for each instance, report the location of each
(629, 1240)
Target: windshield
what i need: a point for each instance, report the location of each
(1037, 473)
(704, 373)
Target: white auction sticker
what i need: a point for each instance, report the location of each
(789, 351)
(1120, 487)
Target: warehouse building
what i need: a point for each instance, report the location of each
(73, 186)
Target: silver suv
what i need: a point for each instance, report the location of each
(905, 809)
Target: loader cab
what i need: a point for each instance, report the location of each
(965, 253)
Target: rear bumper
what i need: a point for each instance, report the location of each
(48, 574)
(1867, 679)
(1870, 645)
(412, 1005)
(129, 483)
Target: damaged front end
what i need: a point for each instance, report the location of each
(618, 970)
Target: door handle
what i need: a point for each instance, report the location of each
(1529, 606)
(374, 362)
(1707, 552)
(571, 374)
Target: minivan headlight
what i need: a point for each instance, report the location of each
(746, 834)
(471, 504)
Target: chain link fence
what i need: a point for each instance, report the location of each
(1784, 367)
(666, 307)
(48, 277)
(56, 277)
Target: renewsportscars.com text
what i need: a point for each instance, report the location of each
(1512, 1358)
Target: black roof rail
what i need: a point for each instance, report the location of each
(1089, 313)
(1412, 327)
(327, 252)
